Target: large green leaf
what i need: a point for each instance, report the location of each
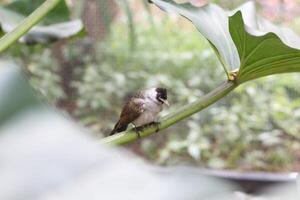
(250, 46)
(56, 25)
(212, 23)
(263, 52)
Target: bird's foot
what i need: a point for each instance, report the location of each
(156, 124)
(138, 130)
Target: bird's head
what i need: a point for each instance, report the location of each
(161, 95)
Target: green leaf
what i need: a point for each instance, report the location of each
(53, 27)
(212, 23)
(262, 52)
(250, 46)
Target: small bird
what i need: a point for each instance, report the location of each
(142, 109)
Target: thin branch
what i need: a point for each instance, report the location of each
(182, 113)
(25, 25)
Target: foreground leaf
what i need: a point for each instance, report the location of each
(15, 92)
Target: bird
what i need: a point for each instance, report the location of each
(142, 109)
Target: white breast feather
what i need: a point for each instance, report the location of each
(151, 109)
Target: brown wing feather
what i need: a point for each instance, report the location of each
(131, 110)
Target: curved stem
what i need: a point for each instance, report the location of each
(178, 115)
(9, 38)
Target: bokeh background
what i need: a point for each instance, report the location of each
(132, 45)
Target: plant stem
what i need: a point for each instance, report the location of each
(220, 59)
(25, 25)
(180, 114)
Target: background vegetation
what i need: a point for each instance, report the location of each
(134, 46)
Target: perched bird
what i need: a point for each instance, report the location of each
(141, 109)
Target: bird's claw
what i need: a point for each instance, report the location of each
(156, 124)
(138, 131)
(141, 128)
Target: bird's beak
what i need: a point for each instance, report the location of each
(165, 102)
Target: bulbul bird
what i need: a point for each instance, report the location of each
(142, 109)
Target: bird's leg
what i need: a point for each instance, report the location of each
(137, 130)
(156, 124)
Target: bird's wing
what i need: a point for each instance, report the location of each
(132, 110)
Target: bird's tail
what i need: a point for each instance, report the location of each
(118, 128)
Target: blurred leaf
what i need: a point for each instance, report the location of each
(46, 34)
(15, 92)
(24, 7)
(298, 183)
(270, 138)
(33, 141)
(216, 163)
(56, 25)
(194, 151)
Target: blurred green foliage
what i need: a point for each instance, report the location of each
(254, 128)
(25, 7)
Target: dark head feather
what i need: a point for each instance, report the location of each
(161, 94)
